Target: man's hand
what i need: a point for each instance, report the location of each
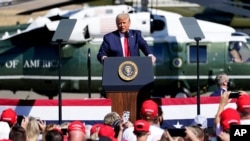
(25, 122)
(224, 136)
(153, 58)
(103, 57)
(42, 125)
(224, 99)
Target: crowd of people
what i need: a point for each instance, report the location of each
(113, 128)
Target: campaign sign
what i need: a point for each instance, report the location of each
(239, 132)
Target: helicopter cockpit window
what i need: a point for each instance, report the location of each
(238, 52)
(193, 54)
(157, 23)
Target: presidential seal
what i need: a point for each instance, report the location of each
(128, 70)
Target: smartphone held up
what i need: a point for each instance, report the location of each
(234, 95)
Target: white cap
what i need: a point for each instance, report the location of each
(5, 130)
(200, 121)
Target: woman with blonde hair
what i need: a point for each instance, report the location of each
(34, 128)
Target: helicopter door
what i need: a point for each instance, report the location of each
(238, 63)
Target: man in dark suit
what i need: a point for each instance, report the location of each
(114, 45)
(222, 81)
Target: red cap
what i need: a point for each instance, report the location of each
(9, 115)
(76, 126)
(229, 116)
(141, 126)
(243, 102)
(149, 108)
(107, 131)
(95, 127)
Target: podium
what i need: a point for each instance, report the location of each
(127, 81)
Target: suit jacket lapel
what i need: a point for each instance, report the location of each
(131, 41)
(118, 42)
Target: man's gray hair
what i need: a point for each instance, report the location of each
(221, 78)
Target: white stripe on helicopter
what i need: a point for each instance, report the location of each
(100, 78)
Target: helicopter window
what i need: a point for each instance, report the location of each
(248, 41)
(157, 23)
(109, 11)
(238, 52)
(239, 34)
(193, 54)
(158, 50)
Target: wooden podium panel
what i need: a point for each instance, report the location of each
(128, 101)
(124, 101)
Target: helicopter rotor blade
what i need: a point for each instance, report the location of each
(63, 3)
(224, 5)
(232, 9)
(238, 4)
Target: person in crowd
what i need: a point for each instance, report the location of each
(225, 117)
(188, 133)
(234, 52)
(95, 130)
(34, 128)
(54, 135)
(243, 107)
(228, 117)
(194, 133)
(4, 130)
(159, 120)
(141, 130)
(47, 129)
(18, 133)
(107, 131)
(22, 121)
(114, 120)
(10, 116)
(88, 128)
(76, 131)
(222, 81)
(148, 112)
(167, 137)
(64, 128)
(7, 120)
(109, 118)
(123, 42)
(201, 121)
